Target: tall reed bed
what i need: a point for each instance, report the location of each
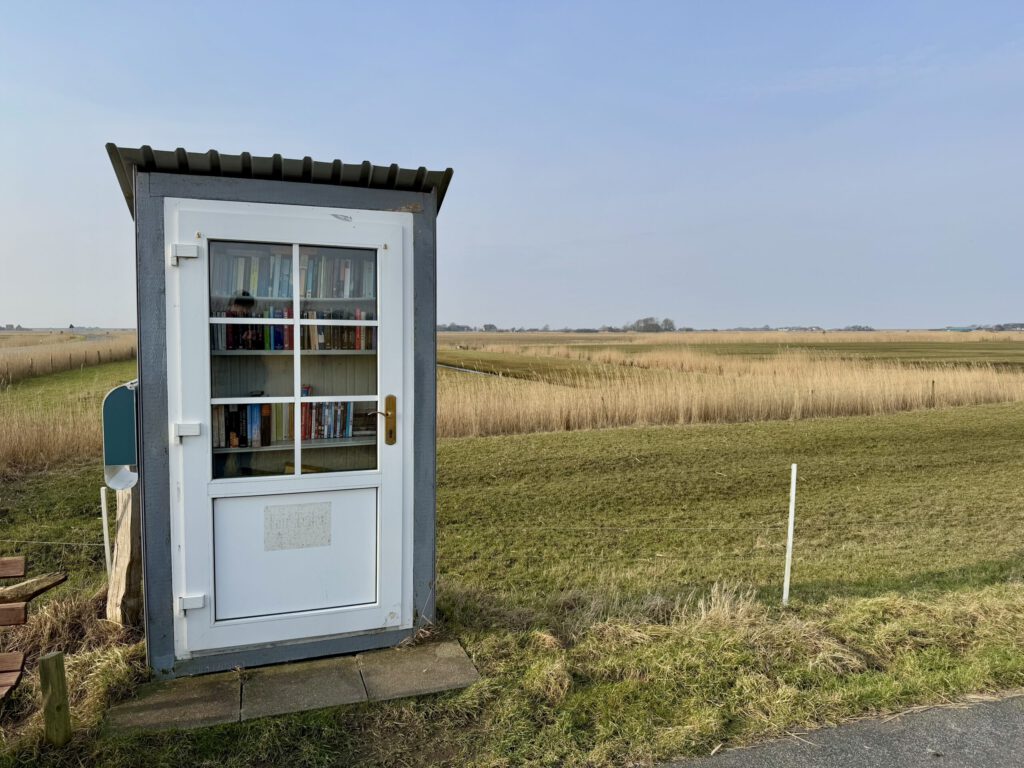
(47, 420)
(32, 358)
(686, 387)
(36, 433)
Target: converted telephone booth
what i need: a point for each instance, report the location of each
(286, 400)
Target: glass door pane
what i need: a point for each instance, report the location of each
(339, 360)
(338, 283)
(253, 439)
(338, 345)
(250, 279)
(252, 359)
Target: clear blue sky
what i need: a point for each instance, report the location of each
(719, 163)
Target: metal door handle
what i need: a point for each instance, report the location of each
(390, 422)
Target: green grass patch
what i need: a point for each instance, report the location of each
(520, 366)
(53, 518)
(88, 383)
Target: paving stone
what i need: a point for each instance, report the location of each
(191, 702)
(302, 686)
(429, 668)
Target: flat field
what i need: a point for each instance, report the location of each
(619, 589)
(25, 354)
(545, 382)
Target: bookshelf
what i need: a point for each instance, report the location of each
(309, 306)
(356, 440)
(289, 353)
(320, 341)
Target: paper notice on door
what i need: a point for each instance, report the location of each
(296, 526)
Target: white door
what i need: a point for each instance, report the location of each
(289, 435)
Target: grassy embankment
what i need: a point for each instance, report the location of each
(618, 590)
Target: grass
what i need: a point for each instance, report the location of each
(25, 354)
(617, 588)
(546, 388)
(12, 339)
(50, 420)
(661, 634)
(925, 347)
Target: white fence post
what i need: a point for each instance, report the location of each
(789, 538)
(106, 526)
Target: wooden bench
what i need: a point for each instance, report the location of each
(14, 602)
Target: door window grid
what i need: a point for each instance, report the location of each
(341, 326)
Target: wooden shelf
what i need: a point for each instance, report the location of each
(341, 442)
(288, 299)
(258, 352)
(337, 298)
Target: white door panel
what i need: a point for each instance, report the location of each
(290, 516)
(294, 552)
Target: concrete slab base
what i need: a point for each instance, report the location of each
(400, 672)
(191, 702)
(231, 697)
(299, 687)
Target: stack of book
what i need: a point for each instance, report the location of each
(254, 425)
(357, 337)
(328, 276)
(262, 425)
(266, 337)
(258, 273)
(326, 421)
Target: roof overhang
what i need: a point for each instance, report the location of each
(275, 168)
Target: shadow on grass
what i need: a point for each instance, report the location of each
(479, 609)
(980, 574)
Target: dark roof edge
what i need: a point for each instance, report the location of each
(275, 168)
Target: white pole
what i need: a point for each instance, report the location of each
(106, 527)
(789, 538)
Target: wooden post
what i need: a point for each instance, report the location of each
(54, 684)
(124, 591)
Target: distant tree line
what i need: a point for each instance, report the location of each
(643, 325)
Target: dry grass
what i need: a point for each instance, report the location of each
(491, 340)
(102, 660)
(38, 434)
(45, 421)
(9, 339)
(27, 354)
(685, 387)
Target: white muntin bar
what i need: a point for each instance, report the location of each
(789, 538)
(296, 364)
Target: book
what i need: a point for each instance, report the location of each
(266, 424)
(243, 427)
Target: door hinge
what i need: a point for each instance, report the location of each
(183, 251)
(188, 602)
(186, 429)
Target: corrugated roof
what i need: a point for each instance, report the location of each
(275, 168)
